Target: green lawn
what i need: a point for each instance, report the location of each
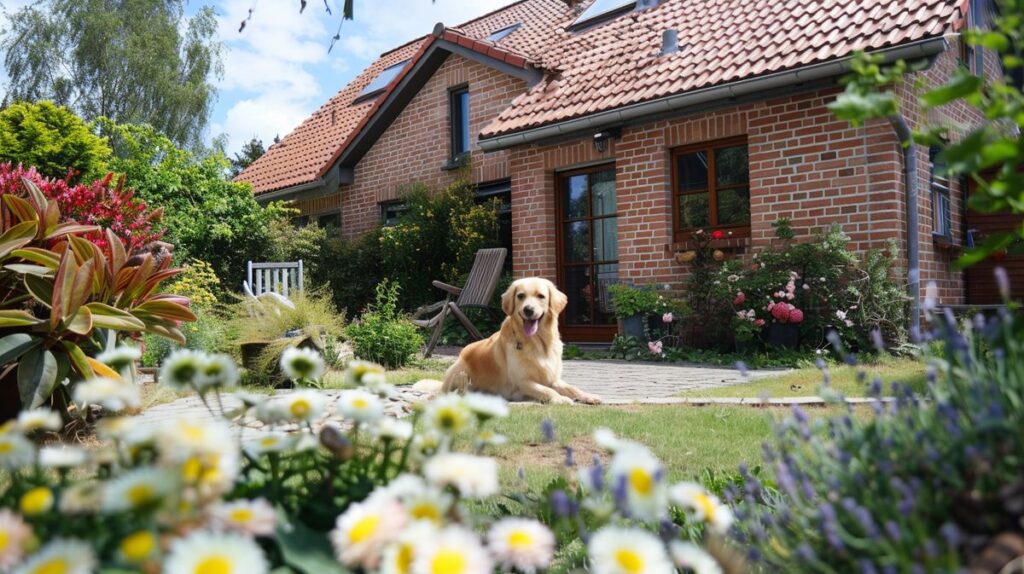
(688, 439)
(805, 382)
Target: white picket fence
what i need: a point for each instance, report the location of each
(281, 278)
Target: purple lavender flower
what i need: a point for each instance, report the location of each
(830, 524)
(569, 460)
(806, 553)
(877, 340)
(560, 504)
(742, 368)
(951, 534)
(1003, 282)
(850, 359)
(892, 530)
(547, 430)
(867, 567)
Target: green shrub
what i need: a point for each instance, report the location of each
(198, 282)
(382, 335)
(53, 139)
(630, 301)
(209, 332)
(350, 270)
(291, 243)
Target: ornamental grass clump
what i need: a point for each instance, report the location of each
(925, 483)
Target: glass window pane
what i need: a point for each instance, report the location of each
(579, 290)
(606, 239)
(577, 242)
(601, 8)
(731, 167)
(604, 312)
(577, 200)
(733, 206)
(460, 119)
(692, 171)
(383, 79)
(603, 190)
(693, 210)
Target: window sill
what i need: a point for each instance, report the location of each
(724, 243)
(457, 162)
(944, 243)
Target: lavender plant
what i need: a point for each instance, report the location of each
(924, 484)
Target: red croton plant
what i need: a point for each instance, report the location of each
(62, 294)
(105, 203)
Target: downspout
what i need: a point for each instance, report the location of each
(899, 124)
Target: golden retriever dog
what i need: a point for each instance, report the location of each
(524, 358)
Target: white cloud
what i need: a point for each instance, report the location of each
(278, 71)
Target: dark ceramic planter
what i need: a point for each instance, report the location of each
(785, 335)
(632, 326)
(10, 400)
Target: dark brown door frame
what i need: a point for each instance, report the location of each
(580, 333)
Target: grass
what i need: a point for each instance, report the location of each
(687, 439)
(805, 382)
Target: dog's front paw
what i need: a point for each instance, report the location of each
(560, 400)
(590, 399)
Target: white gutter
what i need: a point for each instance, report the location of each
(680, 102)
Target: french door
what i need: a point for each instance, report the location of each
(588, 252)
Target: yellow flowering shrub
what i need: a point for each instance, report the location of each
(198, 282)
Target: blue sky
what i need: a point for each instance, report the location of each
(278, 71)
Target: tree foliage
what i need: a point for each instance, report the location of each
(52, 139)
(207, 216)
(134, 61)
(991, 153)
(251, 151)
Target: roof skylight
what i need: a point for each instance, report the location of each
(382, 80)
(602, 10)
(498, 35)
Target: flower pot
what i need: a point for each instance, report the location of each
(785, 335)
(632, 326)
(10, 400)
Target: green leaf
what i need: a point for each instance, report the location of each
(106, 317)
(28, 269)
(17, 237)
(17, 318)
(78, 359)
(304, 549)
(14, 346)
(66, 228)
(37, 377)
(81, 323)
(164, 310)
(41, 288)
(63, 287)
(961, 85)
(21, 209)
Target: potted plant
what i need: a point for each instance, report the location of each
(633, 306)
(784, 328)
(62, 297)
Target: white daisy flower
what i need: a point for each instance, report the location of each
(36, 501)
(136, 489)
(181, 439)
(521, 543)
(14, 533)
(487, 406)
(112, 395)
(298, 363)
(218, 372)
(421, 500)
(453, 550)
(80, 498)
(390, 428)
(360, 406)
(225, 552)
(271, 411)
(120, 358)
(617, 550)
(473, 476)
(183, 369)
(211, 475)
(358, 371)
(447, 414)
(487, 437)
(248, 399)
(16, 451)
(268, 442)
(62, 457)
(363, 530)
(138, 547)
(377, 383)
(692, 558)
(398, 556)
(606, 439)
(639, 477)
(704, 505)
(42, 419)
(302, 406)
(254, 517)
(62, 555)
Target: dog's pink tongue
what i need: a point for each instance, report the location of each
(530, 326)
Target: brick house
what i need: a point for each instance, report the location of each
(613, 129)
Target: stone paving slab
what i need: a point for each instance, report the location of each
(625, 381)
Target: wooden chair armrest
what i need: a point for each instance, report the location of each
(446, 287)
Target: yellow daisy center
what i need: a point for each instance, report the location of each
(138, 546)
(448, 419)
(6, 447)
(448, 562)
(426, 511)
(5, 539)
(300, 408)
(241, 515)
(704, 503)
(641, 481)
(140, 494)
(192, 432)
(214, 565)
(191, 469)
(629, 560)
(360, 403)
(403, 560)
(363, 529)
(520, 539)
(268, 441)
(36, 501)
(55, 566)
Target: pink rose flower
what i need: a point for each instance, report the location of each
(796, 315)
(654, 347)
(790, 296)
(667, 318)
(781, 312)
(759, 322)
(740, 298)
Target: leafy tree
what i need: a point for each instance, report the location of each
(995, 144)
(52, 139)
(250, 152)
(207, 216)
(134, 61)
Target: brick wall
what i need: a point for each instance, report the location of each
(417, 144)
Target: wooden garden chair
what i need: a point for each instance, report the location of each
(476, 293)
